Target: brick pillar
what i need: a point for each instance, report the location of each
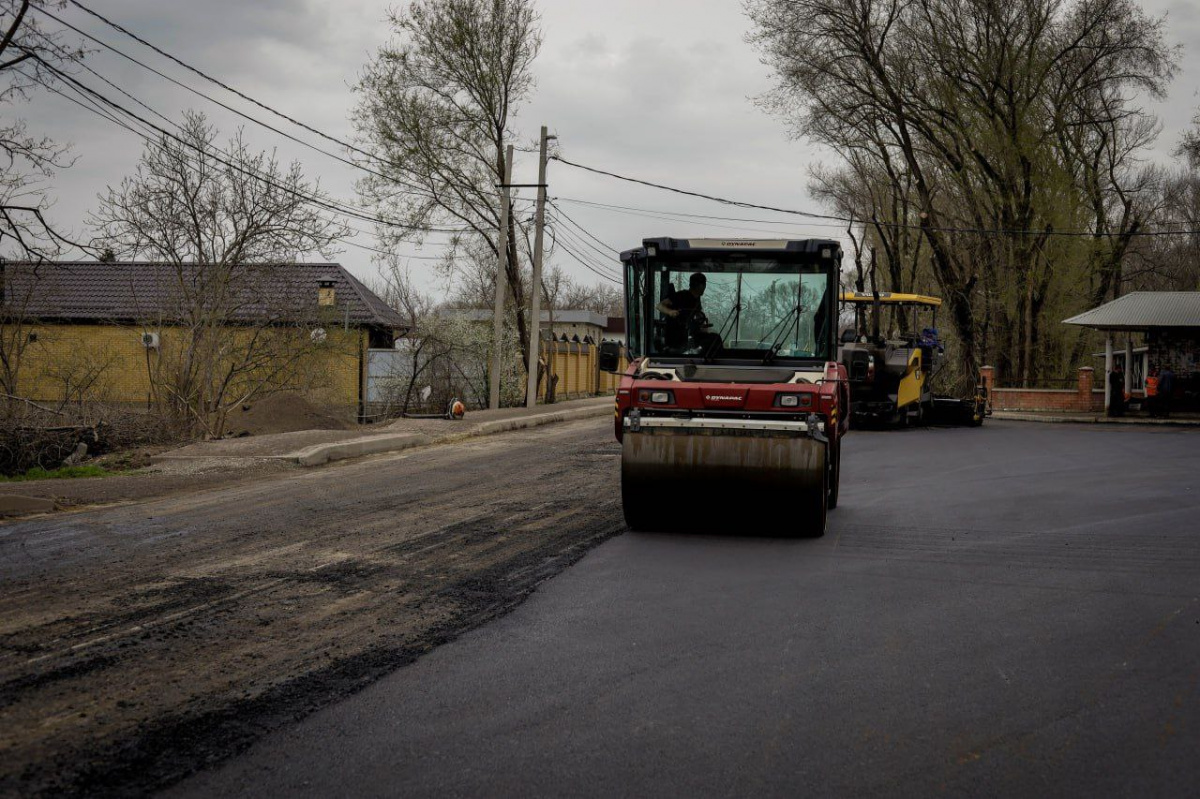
(1087, 379)
(987, 376)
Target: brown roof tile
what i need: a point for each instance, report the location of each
(143, 291)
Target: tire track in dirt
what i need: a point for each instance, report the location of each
(141, 656)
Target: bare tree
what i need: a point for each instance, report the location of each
(435, 110)
(978, 113)
(20, 291)
(1189, 146)
(29, 56)
(223, 223)
(434, 349)
(1172, 261)
(601, 298)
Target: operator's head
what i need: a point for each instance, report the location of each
(697, 282)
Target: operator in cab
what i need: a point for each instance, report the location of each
(684, 316)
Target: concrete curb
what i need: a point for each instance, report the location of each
(523, 422)
(397, 442)
(1045, 418)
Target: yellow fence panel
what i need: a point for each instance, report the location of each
(577, 367)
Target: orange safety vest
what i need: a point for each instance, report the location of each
(1151, 386)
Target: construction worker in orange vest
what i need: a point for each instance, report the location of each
(1152, 392)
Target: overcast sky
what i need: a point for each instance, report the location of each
(657, 89)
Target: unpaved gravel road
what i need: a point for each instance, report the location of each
(140, 642)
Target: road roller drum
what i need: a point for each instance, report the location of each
(679, 473)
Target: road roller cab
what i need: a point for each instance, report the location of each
(732, 394)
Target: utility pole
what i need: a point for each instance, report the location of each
(501, 280)
(535, 310)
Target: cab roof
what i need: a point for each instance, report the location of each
(891, 298)
(821, 248)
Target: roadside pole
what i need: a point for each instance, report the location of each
(1108, 367)
(535, 291)
(501, 284)
(1129, 365)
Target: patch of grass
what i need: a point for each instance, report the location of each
(61, 473)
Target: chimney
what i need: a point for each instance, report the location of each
(326, 293)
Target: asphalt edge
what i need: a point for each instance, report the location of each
(320, 454)
(1045, 418)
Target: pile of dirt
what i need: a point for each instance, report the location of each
(281, 413)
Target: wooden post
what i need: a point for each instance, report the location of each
(501, 283)
(535, 292)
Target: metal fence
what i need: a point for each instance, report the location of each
(575, 369)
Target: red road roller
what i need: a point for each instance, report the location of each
(732, 395)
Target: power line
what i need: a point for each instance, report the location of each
(583, 244)
(672, 217)
(713, 198)
(88, 104)
(848, 220)
(605, 256)
(311, 199)
(83, 101)
(195, 70)
(609, 206)
(573, 249)
(414, 189)
(231, 109)
(586, 265)
(579, 253)
(418, 190)
(582, 228)
(369, 248)
(244, 96)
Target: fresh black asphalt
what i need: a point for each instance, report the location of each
(1005, 611)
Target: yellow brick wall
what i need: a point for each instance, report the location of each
(65, 357)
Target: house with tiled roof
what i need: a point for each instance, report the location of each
(122, 318)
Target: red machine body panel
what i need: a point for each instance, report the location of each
(828, 398)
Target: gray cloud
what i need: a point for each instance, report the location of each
(658, 90)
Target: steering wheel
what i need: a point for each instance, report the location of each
(697, 322)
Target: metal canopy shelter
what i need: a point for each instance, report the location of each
(1142, 312)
